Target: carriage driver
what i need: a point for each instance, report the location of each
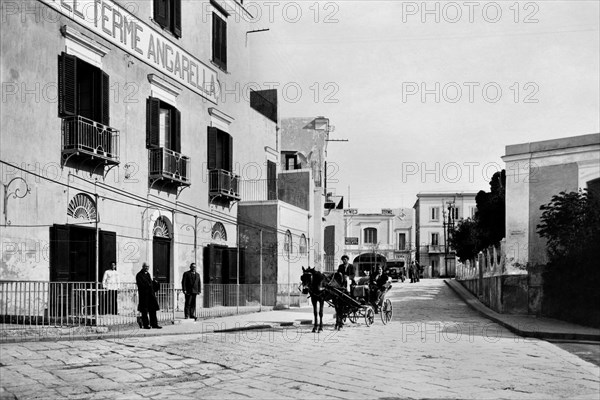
(348, 271)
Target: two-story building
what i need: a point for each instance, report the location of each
(435, 216)
(372, 238)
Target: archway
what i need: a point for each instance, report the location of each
(364, 263)
(161, 250)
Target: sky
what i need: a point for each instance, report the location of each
(429, 94)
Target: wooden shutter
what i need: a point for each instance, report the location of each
(177, 18)
(105, 99)
(206, 260)
(271, 180)
(224, 44)
(176, 131)
(216, 32)
(211, 154)
(229, 155)
(161, 12)
(152, 122)
(231, 262)
(67, 85)
(329, 239)
(59, 254)
(108, 251)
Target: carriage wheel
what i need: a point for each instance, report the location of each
(353, 317)
(386, 311)
(369, 315)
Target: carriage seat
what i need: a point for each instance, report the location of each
(360, 291)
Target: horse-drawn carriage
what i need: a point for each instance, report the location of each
(364, 301)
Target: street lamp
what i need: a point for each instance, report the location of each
(448, 229)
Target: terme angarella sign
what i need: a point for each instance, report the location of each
(123, 29)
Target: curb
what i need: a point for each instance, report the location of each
(484, 311)
(124, 334)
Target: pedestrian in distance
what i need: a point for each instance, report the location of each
(110, 282)
(411, 272)
(148, 304)
(191, 286)
(418, 271)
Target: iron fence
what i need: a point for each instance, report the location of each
(34, 304)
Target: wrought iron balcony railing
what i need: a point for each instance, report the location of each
(83, 137)
(223, 183)
(167, 164)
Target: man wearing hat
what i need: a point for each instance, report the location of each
(348, 271)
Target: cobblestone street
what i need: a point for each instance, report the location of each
(435, 347)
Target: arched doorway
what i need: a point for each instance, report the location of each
(161, 250)
(364, 263)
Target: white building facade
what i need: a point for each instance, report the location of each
(435, 213)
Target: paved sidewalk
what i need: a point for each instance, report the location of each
(247, 321)
(527, 325)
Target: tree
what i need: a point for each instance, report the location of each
(486, 229)
(571, 225)
(491, 213)
(464, 240)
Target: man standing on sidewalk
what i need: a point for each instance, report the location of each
(147, 299)
(191, 286)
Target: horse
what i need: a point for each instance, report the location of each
(314, 283)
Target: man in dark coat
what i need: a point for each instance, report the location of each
(191, 286)
(147, 299)
(348, 271)
(378, 282)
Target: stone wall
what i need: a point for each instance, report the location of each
(519, 292)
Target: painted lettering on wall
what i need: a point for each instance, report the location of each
(123, 29)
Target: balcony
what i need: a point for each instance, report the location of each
(169, 166)
(223, 183)
(258, 189)
(87, 140)
(436, 248)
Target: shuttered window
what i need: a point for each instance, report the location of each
(370, 235)
(402, 241)
(163, 125)
(219, 41)
(220, 150)
(83, 90)
(167, 13)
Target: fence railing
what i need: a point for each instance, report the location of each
(26, 304)
(258, 189)
(80, 134)
(169, 164)
(225, 183)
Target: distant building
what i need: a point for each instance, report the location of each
(434, 214)
(371, 238)
(535, 172)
